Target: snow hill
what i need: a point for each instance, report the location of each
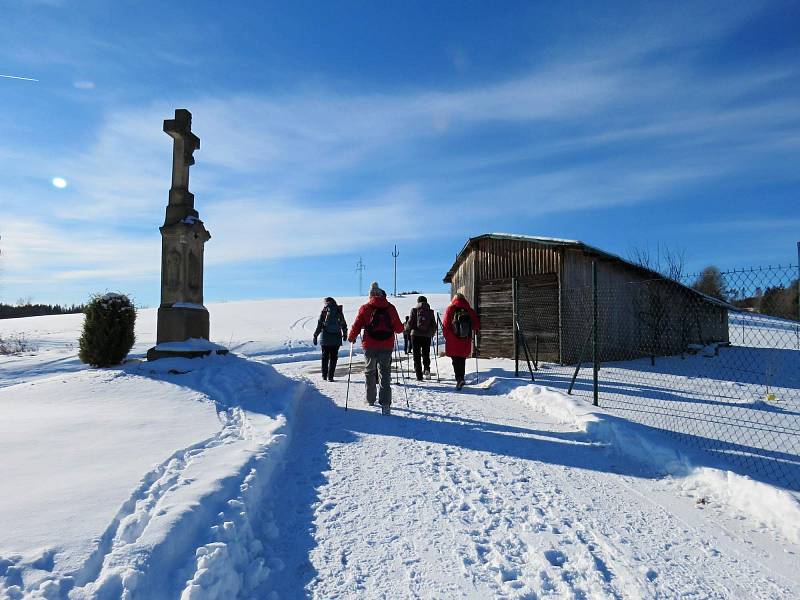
(243, 477)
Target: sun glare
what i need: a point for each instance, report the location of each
(59, 182)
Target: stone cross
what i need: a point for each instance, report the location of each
(184, 145)
(181, 201)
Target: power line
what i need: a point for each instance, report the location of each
(395, 254)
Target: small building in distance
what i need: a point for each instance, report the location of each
(546, 284)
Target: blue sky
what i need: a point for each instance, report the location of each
(333, 131)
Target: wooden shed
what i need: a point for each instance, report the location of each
(546, 284)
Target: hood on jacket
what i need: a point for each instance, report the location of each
(378, 301)
(460, 301)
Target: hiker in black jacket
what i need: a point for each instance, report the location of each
(333, 328)
(421, 326)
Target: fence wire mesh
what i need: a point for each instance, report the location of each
(719, 367)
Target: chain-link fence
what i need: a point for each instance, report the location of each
(716, 362)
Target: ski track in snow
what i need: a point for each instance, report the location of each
(411, 506)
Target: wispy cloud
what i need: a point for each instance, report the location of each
(32, 248)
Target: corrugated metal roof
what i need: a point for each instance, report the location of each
(574, 244)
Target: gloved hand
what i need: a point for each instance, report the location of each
(351, 340)
(315, 340)
(344, 338)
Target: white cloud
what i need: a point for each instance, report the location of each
(68, 253)
(260, 229)
(84, 85)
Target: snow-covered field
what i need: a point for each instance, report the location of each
(243, 477)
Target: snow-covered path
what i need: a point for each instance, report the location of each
(475, 495)
(243, 477)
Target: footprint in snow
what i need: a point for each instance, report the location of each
(555, 557)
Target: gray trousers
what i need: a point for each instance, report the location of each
(378, 370)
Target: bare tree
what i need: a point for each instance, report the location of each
(669, 262)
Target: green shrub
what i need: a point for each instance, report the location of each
(108, 333)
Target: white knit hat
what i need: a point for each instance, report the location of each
(375, 291)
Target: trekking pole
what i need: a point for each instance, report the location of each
(405, 391)
(396, 361)
(436, 355)
(349, 370)
(475, 344)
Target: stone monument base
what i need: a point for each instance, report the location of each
(177, 322)
(155, 353)
(185, 322)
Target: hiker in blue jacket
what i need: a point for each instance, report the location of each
(333, 328)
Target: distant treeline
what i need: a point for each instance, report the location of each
(10, 311)
(736, 287)
(777, 301)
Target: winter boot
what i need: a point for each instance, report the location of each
(386, 409)
(459, 384)
(427, 374)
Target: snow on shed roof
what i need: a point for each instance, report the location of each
(575, 244)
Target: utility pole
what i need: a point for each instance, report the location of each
(360, 269)
(395, 254)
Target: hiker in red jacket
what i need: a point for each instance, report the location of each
(459, 323)
(380, 322)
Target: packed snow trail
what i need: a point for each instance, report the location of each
(474, 495)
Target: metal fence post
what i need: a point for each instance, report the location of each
(515, 324)
(595, 364)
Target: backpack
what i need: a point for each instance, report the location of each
(462, 323)
(332, 324)
(380, 324)
(425, 322)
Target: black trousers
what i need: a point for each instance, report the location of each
(406, 338)
(422, 354)
(330, 354)
(459, 366)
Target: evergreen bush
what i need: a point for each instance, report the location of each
(108, 330)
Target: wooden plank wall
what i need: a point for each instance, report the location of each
(500, 259)
(623, 301)
(463, 280)
(495, 310)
